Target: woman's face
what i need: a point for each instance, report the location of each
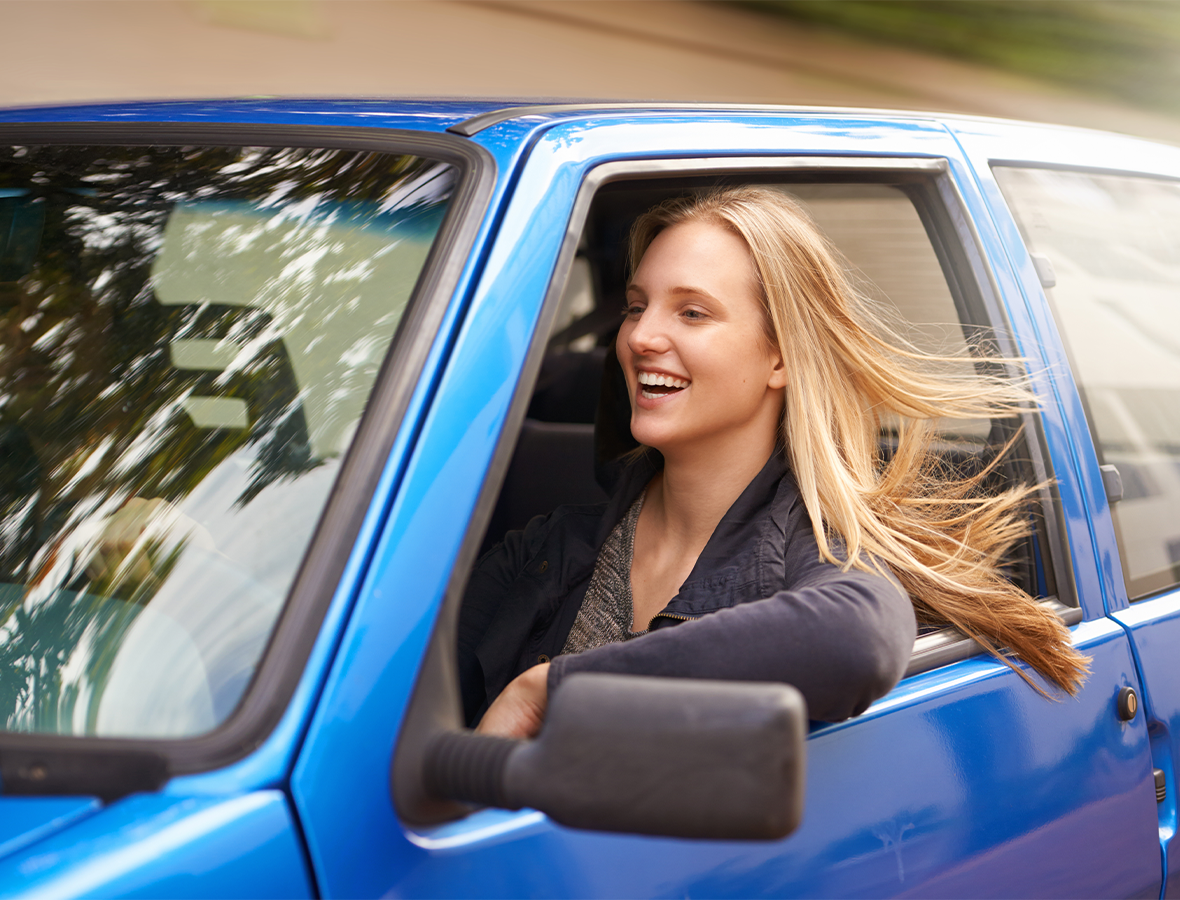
(699, 369)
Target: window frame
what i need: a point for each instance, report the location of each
(39, 764)
(434, 703)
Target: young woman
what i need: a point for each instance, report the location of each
(766, 540)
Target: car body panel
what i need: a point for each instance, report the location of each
(393, 616)
(1153, 622)
(159, 846)
(915, 797)
(420, 116)
(962, 780)
(25, 820)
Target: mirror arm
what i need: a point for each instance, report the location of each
(469, 767)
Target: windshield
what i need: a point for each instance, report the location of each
(188, 337)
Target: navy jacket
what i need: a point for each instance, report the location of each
(760, 605)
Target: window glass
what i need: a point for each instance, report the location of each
(1113, 244)
(188, 337)
(880, 234)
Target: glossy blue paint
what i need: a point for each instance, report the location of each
(25, 820)
(954, 785)
(157, 846)
(350, 742)
(379, 657)
(411, 567)
(961, 781)
(415, 115)
(1154, 625)
(369, 684)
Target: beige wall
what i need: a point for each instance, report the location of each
(68, 50)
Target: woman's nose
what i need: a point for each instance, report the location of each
(649, 334)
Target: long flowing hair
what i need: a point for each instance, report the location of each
(850, 374)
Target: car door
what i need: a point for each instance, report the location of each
(1098, 222)
(962, 780)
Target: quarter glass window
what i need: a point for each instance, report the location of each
(188, 337)
(1113, 244)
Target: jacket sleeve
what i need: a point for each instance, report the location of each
(842, 638)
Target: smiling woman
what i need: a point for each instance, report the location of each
(760, 533)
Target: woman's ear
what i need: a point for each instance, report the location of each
(778, 375)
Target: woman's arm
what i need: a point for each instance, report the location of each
(509, 587)
(842, 638)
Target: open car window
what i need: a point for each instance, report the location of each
(906, 257)
(188, 339)
(577, 419)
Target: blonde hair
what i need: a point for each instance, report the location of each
(941, 534)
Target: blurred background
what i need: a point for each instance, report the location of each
(1103, 63)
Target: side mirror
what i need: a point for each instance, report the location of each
(663, 756)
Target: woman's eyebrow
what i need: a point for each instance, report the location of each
(681, 290)
(695, 291)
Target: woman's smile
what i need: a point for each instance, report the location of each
(657, 386)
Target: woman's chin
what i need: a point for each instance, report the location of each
(662, 439)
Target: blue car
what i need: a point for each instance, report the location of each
(275, 373)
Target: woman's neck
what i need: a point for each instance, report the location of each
(695, 490)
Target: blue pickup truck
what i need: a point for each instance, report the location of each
(273, 373)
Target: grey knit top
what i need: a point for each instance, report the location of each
(606, 613)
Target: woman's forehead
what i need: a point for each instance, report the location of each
(694, 254)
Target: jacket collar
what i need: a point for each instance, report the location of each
(737, 560)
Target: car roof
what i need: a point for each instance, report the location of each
(425, 114)
(466, 116)
(471, 116)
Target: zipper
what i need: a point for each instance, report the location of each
(667, 615)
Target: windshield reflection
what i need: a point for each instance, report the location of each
(188, 336)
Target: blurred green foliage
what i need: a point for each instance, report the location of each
(1126, 49)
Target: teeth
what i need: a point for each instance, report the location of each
(661, 380)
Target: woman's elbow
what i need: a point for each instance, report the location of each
(873, 660)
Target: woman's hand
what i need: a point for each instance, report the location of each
(519, 711)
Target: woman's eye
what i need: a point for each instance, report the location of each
(693, 314)
(632, 310)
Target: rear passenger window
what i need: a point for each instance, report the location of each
(904, 254)
(1112, 246)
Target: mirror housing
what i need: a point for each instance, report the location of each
(721, 760)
